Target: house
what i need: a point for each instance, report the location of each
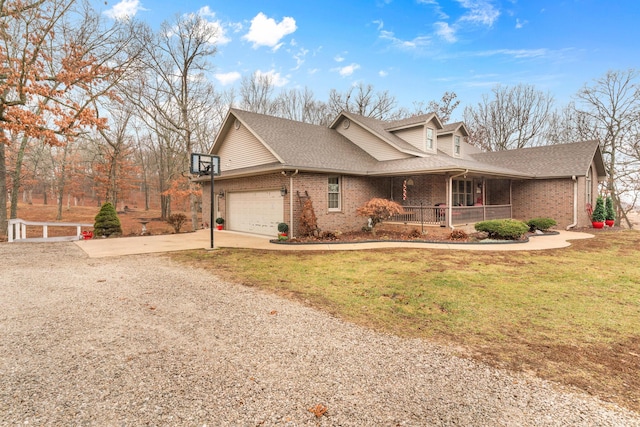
(270, 166)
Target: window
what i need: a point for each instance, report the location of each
(462, 193)
(429, 139)
(334, 193)
(456, 145)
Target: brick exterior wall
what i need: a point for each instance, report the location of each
(549, 198)
(263, 182)
(355, 191)
(426, 189)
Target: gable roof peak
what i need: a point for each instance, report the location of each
(414, 121)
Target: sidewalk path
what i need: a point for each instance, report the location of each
(98, 248)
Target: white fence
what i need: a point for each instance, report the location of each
(17, 231)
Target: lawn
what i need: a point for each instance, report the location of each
(569, 315)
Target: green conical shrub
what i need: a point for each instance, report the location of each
(107, 222)
(598, 214)
(610, 213)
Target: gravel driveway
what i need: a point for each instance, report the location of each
(139, 340)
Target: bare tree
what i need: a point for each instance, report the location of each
(257, 94)
(177, 60)
(515, 117)
(300, 105)
(570, 125)
(444, 108)
(364, 101)
(612, 103)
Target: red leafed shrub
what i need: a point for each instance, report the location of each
(379, 210)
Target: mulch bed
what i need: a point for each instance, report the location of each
(431, 235)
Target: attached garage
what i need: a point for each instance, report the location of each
(256, 212)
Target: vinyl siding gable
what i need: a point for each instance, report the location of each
(241, 149)
(376, 147)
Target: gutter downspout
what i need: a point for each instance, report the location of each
(575, 203)
(450, 197)
(291, 226)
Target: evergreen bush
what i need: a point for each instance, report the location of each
(107, 222)
(542, 224)
(598, 214)
(610, 213)
(509, 229)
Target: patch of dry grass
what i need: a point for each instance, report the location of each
(570, 315)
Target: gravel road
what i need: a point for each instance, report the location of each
(139, 340)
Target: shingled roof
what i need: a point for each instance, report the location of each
(549, 161)
(309, 147)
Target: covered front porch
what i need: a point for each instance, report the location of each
(451, 200)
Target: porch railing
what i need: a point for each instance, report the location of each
(437, 215)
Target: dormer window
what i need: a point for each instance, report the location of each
(429, 140)
(456, 145)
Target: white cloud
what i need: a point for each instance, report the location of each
(379, 23)
(124, 9)
(300, 57)
(347, 70)
(516, 53)
(479, 12)
(266, 32)
(338, 58)
(415, 43)
(446, 32)
(437, 8)
(275, 78)
(227, 78)
(383, 73)
(520, 24)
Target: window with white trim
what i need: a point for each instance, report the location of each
(462, 192)
(333, 199)
(456, 145)
(429, 139)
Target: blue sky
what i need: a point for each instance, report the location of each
(415, 49)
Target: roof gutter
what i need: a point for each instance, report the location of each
(450, 198)
(575, 203)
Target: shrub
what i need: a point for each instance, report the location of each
(610, 213)
(379, 210)
(107, 222)
(542, 224)
(308, 220)
(283, 227)
(177, 221)
(509, 229)
(598, 214)
(219, 220)
(458, 235)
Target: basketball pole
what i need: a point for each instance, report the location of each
(211, 208)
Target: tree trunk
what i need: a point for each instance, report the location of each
(15, 177)
(3, 191)
(61, 181)
(165, 206)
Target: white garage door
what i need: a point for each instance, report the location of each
(255, 212)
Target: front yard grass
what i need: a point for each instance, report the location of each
(569, 315)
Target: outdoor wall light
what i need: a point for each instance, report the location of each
(479, 189)
(221, 194)
(283, 191)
